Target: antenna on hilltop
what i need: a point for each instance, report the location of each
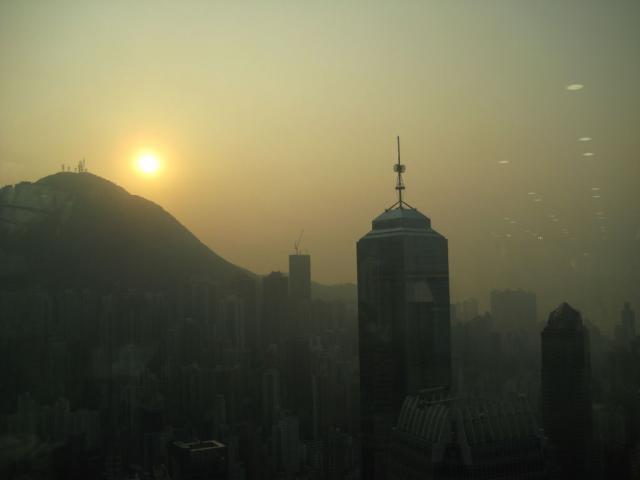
(296, 244)
(399, 168)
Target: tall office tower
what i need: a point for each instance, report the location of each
(299, 277)
(275, 288)
(299, 295)
(566, 390)
(514, 310)
(403, 320)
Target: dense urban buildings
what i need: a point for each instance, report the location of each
(122, 384)
(247, 377)
(172, 363)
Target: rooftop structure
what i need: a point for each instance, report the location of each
(465, 437)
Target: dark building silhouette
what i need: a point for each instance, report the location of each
(465, 438)
(566, 390)
(299, 295)
(300, 277)
(404, 320)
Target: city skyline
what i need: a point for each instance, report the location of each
(340, 240)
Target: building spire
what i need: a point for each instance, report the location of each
(399, 168)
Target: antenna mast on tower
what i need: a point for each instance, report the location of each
(296, 245)
(399, 168)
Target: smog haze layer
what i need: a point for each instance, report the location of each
(250, 121)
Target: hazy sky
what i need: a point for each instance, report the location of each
(271, 117)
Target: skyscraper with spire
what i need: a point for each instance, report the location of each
(403, 317)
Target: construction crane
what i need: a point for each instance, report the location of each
(296, 245)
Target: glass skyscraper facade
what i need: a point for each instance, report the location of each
(404, 322)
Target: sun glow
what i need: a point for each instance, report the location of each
(148, 163)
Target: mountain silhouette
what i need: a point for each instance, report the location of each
(78, 230)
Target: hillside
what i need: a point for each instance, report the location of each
(80, 230)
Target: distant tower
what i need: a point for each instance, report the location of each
(566, 391)
(299, 274)
(403, 317)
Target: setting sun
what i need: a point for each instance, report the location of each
(148, 163)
